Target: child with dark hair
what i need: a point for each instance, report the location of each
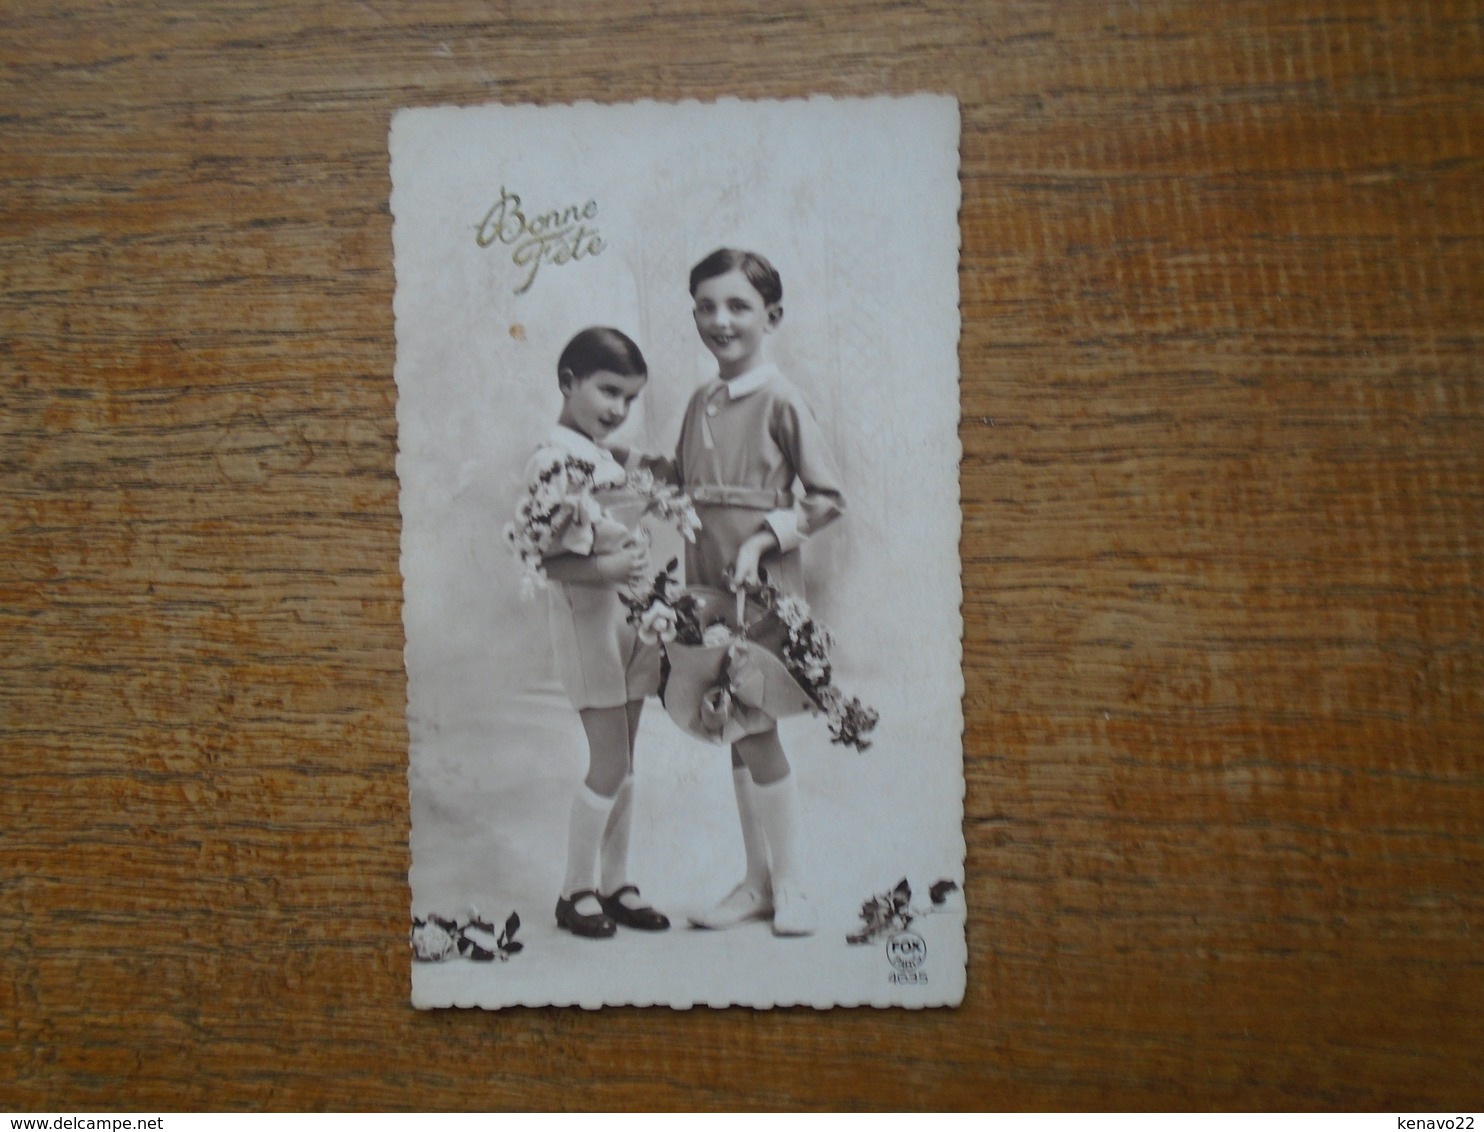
(747, 442)
(574, 536)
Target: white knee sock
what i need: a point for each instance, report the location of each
(777, 806)
(615, 851)
(589, 814)
(754, 843)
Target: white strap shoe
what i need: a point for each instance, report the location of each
(792, 914)
(740, 906)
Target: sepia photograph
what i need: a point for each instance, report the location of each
(678, 463)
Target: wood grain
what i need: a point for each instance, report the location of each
(1223, 494)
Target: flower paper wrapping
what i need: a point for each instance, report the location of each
(515, 227)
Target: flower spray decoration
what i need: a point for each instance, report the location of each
(665, 501)
(735, 665)
(807, 646)
(658, 612)
(567, 508)
(439, 937)
(887, 913)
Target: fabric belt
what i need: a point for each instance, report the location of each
(724, 495)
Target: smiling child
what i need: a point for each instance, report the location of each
(748, 440)
(569, 533)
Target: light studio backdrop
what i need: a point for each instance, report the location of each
(855, 203)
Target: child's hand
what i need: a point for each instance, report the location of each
(628, 565)
(749, 555)
(661, 467)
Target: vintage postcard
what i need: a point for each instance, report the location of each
(677, 407)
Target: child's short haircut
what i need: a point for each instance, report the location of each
(602, 348)
(760, 273)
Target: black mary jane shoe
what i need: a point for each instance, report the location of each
(644, 918)
(596, 926)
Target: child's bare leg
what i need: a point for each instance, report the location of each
(751, 899)
(775, 798)
(615, 852)
(614, 855)
(763, 756)
(578, 910)
(633, 709)
(617, 894)
(607, 748)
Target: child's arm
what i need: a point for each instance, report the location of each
(662, 468)
(554, 532)
(678, 464)
(750, 555)
(803, 443)
(627, 565)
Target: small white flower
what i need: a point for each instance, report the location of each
(687, 522)
(792, 612)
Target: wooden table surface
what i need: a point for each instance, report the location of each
(1223, 502)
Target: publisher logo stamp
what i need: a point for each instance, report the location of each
(907, 952)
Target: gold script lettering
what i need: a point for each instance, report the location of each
(556, 236)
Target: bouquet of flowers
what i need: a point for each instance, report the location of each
(664, 501)
(567, 509)
(439, 937)
(887, 913)
(806, 650)
(736, 664)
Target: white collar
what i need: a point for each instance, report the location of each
(750, 382)
(583, 447)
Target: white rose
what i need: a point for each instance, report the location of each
(657, 623)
